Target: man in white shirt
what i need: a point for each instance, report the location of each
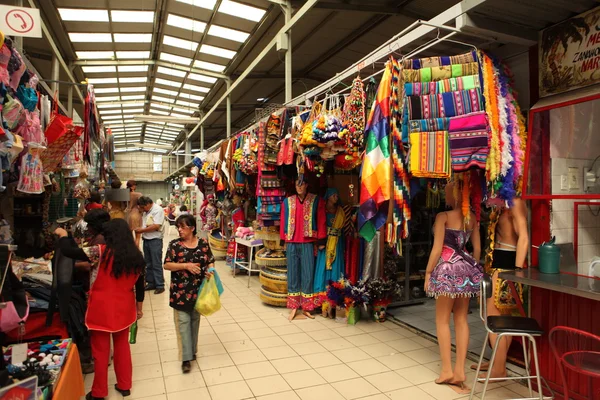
(152, 234)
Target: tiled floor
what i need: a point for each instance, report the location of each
(249, 350)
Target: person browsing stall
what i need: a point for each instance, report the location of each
(115, 301)
(188, 258)
(152, 234)
(95, 202)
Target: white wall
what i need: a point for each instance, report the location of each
(139, 166)
(574, 143)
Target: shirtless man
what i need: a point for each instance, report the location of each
(510, 252)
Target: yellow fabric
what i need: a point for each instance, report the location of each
(332, 240)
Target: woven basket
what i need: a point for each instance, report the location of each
(218, 246)
(271, 262)
(272, 298)
(274, 280)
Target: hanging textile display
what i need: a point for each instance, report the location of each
(375, 182)
(430, 155)
(55, 152)
(353, 118)
(401, 183)
(31, 176)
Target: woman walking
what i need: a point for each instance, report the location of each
(117, 268)
(452, 277)
(188, 258)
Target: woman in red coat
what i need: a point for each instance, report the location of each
(116, 283)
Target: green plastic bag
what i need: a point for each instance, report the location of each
(209, 301)
(353, 315)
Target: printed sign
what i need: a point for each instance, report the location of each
(20, 21)
(570, 54)
(157, 163)
(22, 390)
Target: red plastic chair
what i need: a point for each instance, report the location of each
(578, 351)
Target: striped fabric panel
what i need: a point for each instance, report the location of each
(469, 149)
(429, 125)
(445, 105)
(429, 154)
(440, 73)
(426, 62)
(443, 86)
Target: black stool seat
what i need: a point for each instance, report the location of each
(583, 360)
(508, 324)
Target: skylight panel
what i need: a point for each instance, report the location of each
(133, 68)
(101, 106)
(179, 115)
(226, 33)
(133, 89)
(180, 43)
(202, 78)
(187, 103)
(95, 55)
(134, 104)
(156, 105)
(160, 98)
(241, 10)
(176, 59)
(159, 112)
(83, 14)
(208, 4)
(135, 79)
(133, 54)
(167, 82)
(106, 112)
(90, 37)
(209, 66)
(99, 70)
(196, 88)
(186, 23)
(132, 16)
(175, 125)
(133, 111)
(183, 110)
(106, 90)
(135, 97)
(171, 72)
(165, 91)
(133, 37)
(110, 117)
(101, 81)
(217, 51)
(191, 96)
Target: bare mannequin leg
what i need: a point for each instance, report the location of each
(461, 327)
(292, 314)
(443, 308)
(308, 314)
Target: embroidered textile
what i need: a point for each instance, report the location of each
(438, 73)
(443, 86)
(469, 149)
(429, 125)
(445, 104)
(418, 63)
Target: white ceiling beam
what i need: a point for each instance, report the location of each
(161, 118)
(150, 62)
(500, 31)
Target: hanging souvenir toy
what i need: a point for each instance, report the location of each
(353, 116)
(306, 139)
(82, 190)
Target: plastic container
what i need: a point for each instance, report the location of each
(549, 257)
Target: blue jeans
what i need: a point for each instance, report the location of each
(301, 273)
(153, 257)
(187, 324)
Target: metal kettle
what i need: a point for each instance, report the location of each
(549, 257)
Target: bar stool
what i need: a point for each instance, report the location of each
(526, 328)
(577, 350)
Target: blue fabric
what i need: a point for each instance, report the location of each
(301, 268)
(217, 281)
(322, 274)
(28, 98)
(330, 192)
(153, 256)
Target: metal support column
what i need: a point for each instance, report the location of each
(55, 74)
(70, 102)
(19, 39)
(201, 137)
(287, 9)
(228, 123)
(188, 152)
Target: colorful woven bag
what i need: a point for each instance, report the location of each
(59, 124)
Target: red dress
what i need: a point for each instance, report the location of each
(238, 219)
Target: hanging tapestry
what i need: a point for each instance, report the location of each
(429, 155)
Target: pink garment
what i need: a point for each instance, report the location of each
(469, 122)
(4, 59)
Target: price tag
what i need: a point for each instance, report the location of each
(19, 353)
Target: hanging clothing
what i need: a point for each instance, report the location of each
(418, 63)
(375, 183)
(443, 86)
(330, 260)
(430, 155)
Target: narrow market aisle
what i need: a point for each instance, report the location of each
(249, 350)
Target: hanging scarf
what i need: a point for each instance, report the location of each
(375, 182)
(401, 189)
(333, 235)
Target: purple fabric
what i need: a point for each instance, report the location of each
(457, 273)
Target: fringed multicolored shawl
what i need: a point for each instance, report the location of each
(507, 132)
(375, 183)
(401, 189)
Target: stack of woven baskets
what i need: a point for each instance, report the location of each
(273, 274)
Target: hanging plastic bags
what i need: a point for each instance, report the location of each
(59, 124)
(209, 301)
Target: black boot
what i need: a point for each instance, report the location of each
(90, 397)
(124, 393)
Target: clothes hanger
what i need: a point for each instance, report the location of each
(463, 43)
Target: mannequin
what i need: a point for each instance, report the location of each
(238, 219)
(82, 191)
(303, 225)
(208, 214)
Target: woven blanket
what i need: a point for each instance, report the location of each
(432, 74)
(419, 63)
(469, 149)
(469, 122)
(429, 155)
(429, 125)
(445, 105)
(443, 86)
